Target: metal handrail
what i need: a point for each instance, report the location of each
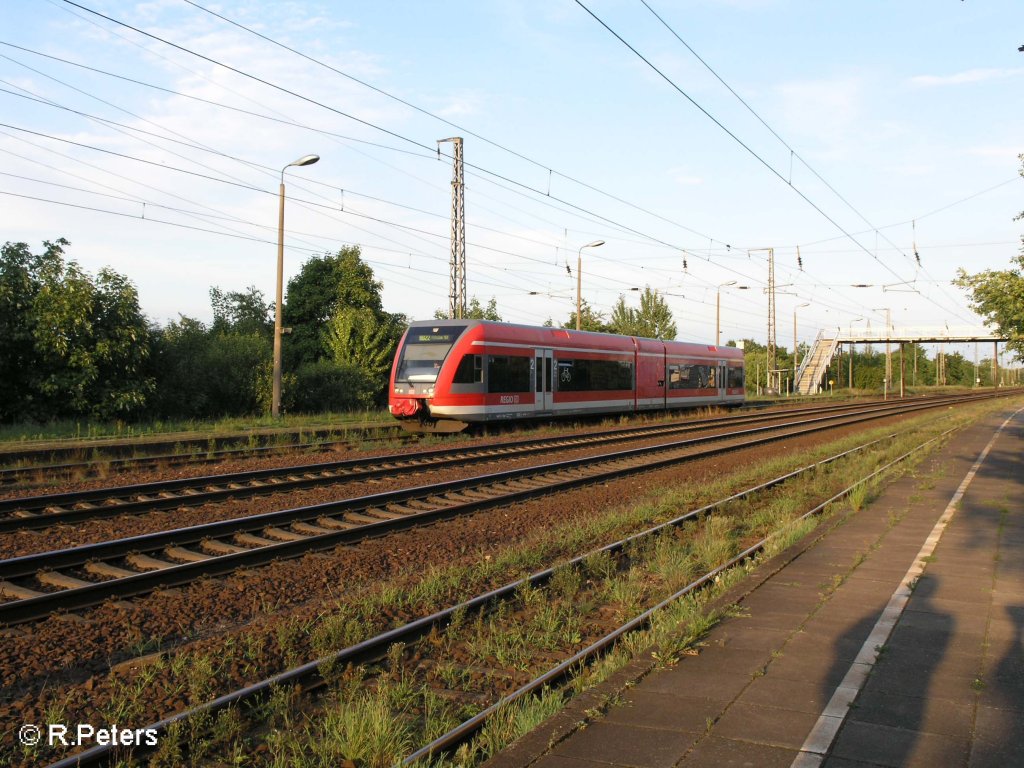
(807, 358)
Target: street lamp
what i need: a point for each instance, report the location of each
(718, 312)
(849, 381)
(888, 348)
(275, 407)
(796, 348)
(579, 277)
(718, 308)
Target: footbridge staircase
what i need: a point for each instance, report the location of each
(812, 370)
(811, 373)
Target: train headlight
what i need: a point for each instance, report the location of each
(430, 391)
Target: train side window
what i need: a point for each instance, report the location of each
(582, 375)
(509, 374)
(735, 378)
(674, 377)
(690, 376)
(470, 370)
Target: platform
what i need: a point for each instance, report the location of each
(833, 662)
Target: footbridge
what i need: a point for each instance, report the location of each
(811, 373)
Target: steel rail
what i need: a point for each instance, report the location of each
(31, 604)
(198, 455)
(41, 511)
(309, 675)
(71, 446)
(466, 729)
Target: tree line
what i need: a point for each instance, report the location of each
(74, 344)
(78, 345)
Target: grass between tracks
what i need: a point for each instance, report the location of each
(374, 717)
(88, 430)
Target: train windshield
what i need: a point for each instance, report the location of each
(424, 350)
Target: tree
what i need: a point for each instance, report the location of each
(206, 372)
(475, 311)
(355, 337)
(755, 360)
(72, 344)
(652, 320)
(998, 296)
(339, 326)
(19, 285)
(242, 312)
(590, 319)
(324, 284)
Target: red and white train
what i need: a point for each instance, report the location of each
(448, 374)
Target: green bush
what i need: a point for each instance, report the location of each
(328, 386)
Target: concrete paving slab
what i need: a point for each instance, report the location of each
(559, 761)
(840, 762)
(897, 747)
(786, 600)
(916, 713)
(938, 639)
(727, 661)
(930, 658)
(976, 608)
(944, 681)
(764, 683)
(842, 646)
(796, 695)
(740, 638)
(771, 726)
(813, 668)
(696, 683)
(627, 746)
(927, 621)
(999, 740)
(772, 620)
(727, 753)
(666, 712)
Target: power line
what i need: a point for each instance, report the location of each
(222, 233)
(367, 123)
(795, 154)
(739, 141)
(252, 164)
(544, 198)
(447, 122)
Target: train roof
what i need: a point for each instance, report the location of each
(555, 334)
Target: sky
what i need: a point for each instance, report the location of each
(870, 143)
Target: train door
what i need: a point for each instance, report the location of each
(720, 381)
(544, 365)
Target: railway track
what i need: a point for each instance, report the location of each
(38, 585)
(41, 511)
(25, 465)
(378, 651)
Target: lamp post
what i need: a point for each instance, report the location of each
(579, 277)
(275, 407)
(718, 308)
(796, 346)
(718, 312)
(888, 348)
(849, 381)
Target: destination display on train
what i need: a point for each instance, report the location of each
(435, 336)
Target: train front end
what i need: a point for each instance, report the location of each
(418, 373)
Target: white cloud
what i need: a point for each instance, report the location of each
(1007, 152)
(969, 76)
(459, 105)
(682, 177)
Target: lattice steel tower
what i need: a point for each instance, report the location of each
(457, 267)
(771, 314)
